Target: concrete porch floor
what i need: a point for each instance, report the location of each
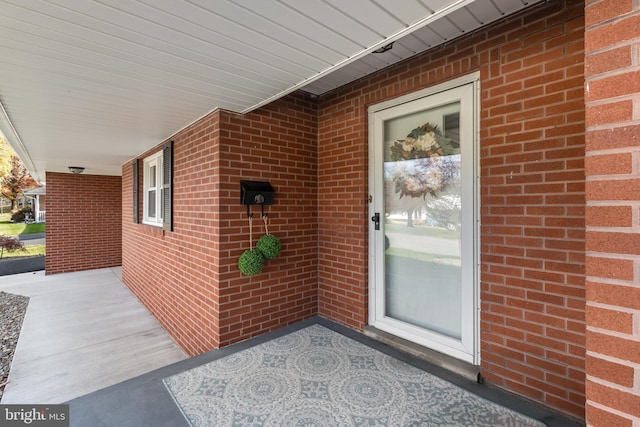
(145, 401)
(86, 340)
(82, 332)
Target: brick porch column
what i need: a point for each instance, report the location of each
(612, 164)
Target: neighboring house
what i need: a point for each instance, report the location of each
(37, 199)
(540, 289)
(5, 205)
(34, 197)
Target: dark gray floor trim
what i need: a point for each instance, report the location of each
(144, 400)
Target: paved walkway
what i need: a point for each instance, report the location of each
(32, 239)
(82, 332)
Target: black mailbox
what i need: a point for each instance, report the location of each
(256, 193)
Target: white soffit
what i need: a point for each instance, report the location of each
(94, 83)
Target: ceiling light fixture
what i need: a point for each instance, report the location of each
(76, 169)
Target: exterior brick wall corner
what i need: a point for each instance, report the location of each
(559, 208)
(189, 278)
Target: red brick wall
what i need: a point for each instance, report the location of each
(612, 94)
(343, 208)
(189, 278)
(532, 195)
(84, 223)
(277, 143)
(174, 273)
(532, 167)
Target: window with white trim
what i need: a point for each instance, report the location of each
(152, 184)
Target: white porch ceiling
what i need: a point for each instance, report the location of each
(94, 83)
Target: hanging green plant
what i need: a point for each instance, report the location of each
(251, 262)
(269, 246)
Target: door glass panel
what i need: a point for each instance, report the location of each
(422, 222)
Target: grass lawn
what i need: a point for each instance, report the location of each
(32, 250)
(8, 228)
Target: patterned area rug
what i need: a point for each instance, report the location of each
(317, 377)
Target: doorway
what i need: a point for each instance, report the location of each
(424, 218)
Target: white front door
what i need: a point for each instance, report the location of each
(424, 218)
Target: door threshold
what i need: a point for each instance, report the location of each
(464, 369)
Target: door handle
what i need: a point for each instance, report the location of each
(376, 220)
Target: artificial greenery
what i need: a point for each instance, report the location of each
(269, 246)
(251, 262)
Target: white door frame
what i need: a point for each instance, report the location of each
(468, 348)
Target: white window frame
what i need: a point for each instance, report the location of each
(149, 163)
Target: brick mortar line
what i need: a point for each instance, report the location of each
(612, 359)
(610, 255)
(621, 150)
(612, 203)
(616, 334)
(620, 177)
(621, 230)
(610, 100)
(634, 390)
(618, 18)
(610, 410)
(614, 308)
(634, 67)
